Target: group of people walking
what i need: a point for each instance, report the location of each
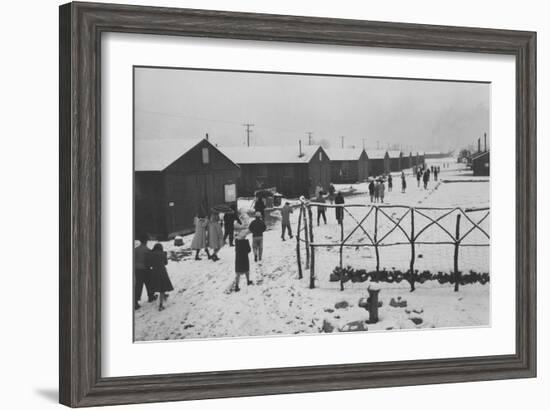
(423, 173)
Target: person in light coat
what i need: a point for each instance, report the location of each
(199, 238)
(215, 235)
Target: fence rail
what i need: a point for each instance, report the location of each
(412, 236)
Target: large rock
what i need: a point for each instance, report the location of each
(341, 305)
(355, 326)
(398, 303)
(327, 327)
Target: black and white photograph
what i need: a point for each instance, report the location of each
(286, 204)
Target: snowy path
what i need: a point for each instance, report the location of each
(278, 303)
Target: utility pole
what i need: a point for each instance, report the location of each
(248, 131)
(309, 140)
(342, 138)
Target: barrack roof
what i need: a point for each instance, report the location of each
(270, 154)
(158, 154)
(344, 154)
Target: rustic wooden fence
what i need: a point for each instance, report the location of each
(376, 239)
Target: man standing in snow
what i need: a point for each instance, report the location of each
(257, 227)
(371, 190)
(142, 272)
(286, 210)
(321, 209)
(229, 219)
(331, 192)
(403, 182)
(259, 206)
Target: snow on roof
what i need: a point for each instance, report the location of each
(376, 154)
(344, 154)
(157, 154)
(269, 154)
(394, 154)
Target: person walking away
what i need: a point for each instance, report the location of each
(403, 182)
(371, 190)
(418, 176)
(215, 235)
(242, 265)
(331, 192)
(382, 189)
(257, 227)
(339, 200)
(286, 210)
(390, 183)
(259, 206)
(426, 178)
(321, 209)
(161, 280)
(377, 191)
(435, 173)
(142, 275)
(229, 219)
(199, 238)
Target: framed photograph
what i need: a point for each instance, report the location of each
(259, 204)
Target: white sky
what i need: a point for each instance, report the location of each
(417, 115)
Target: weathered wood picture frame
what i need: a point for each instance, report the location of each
(81, 28)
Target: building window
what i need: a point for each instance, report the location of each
(205, 156)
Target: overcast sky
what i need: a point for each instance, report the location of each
(417, 115)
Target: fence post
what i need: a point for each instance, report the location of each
(376, 238)
(298, 257)
(306, 236)
(312, 261)
(457, 246)
(413, 254)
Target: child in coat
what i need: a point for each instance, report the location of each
(242, 265)
(161, 281)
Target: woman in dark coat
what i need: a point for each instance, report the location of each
(339, 199)
(161, 281)
(242, 265)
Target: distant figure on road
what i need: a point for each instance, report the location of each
(390, 183)
(215, 235)
(229, 219)
(371, 190)
(331, 192)
(403, 182)
(339, 199)
(418, 176)
(259, 206)
(242, 265)
(199, 238)
(426, 178)
(381, 189)
(161, 281)
(436, 171)
(286, 210)
(321, 209)
(257, 227)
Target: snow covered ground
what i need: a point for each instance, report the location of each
(203, 305)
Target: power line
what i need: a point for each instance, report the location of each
(248, 131)
(309, 134)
